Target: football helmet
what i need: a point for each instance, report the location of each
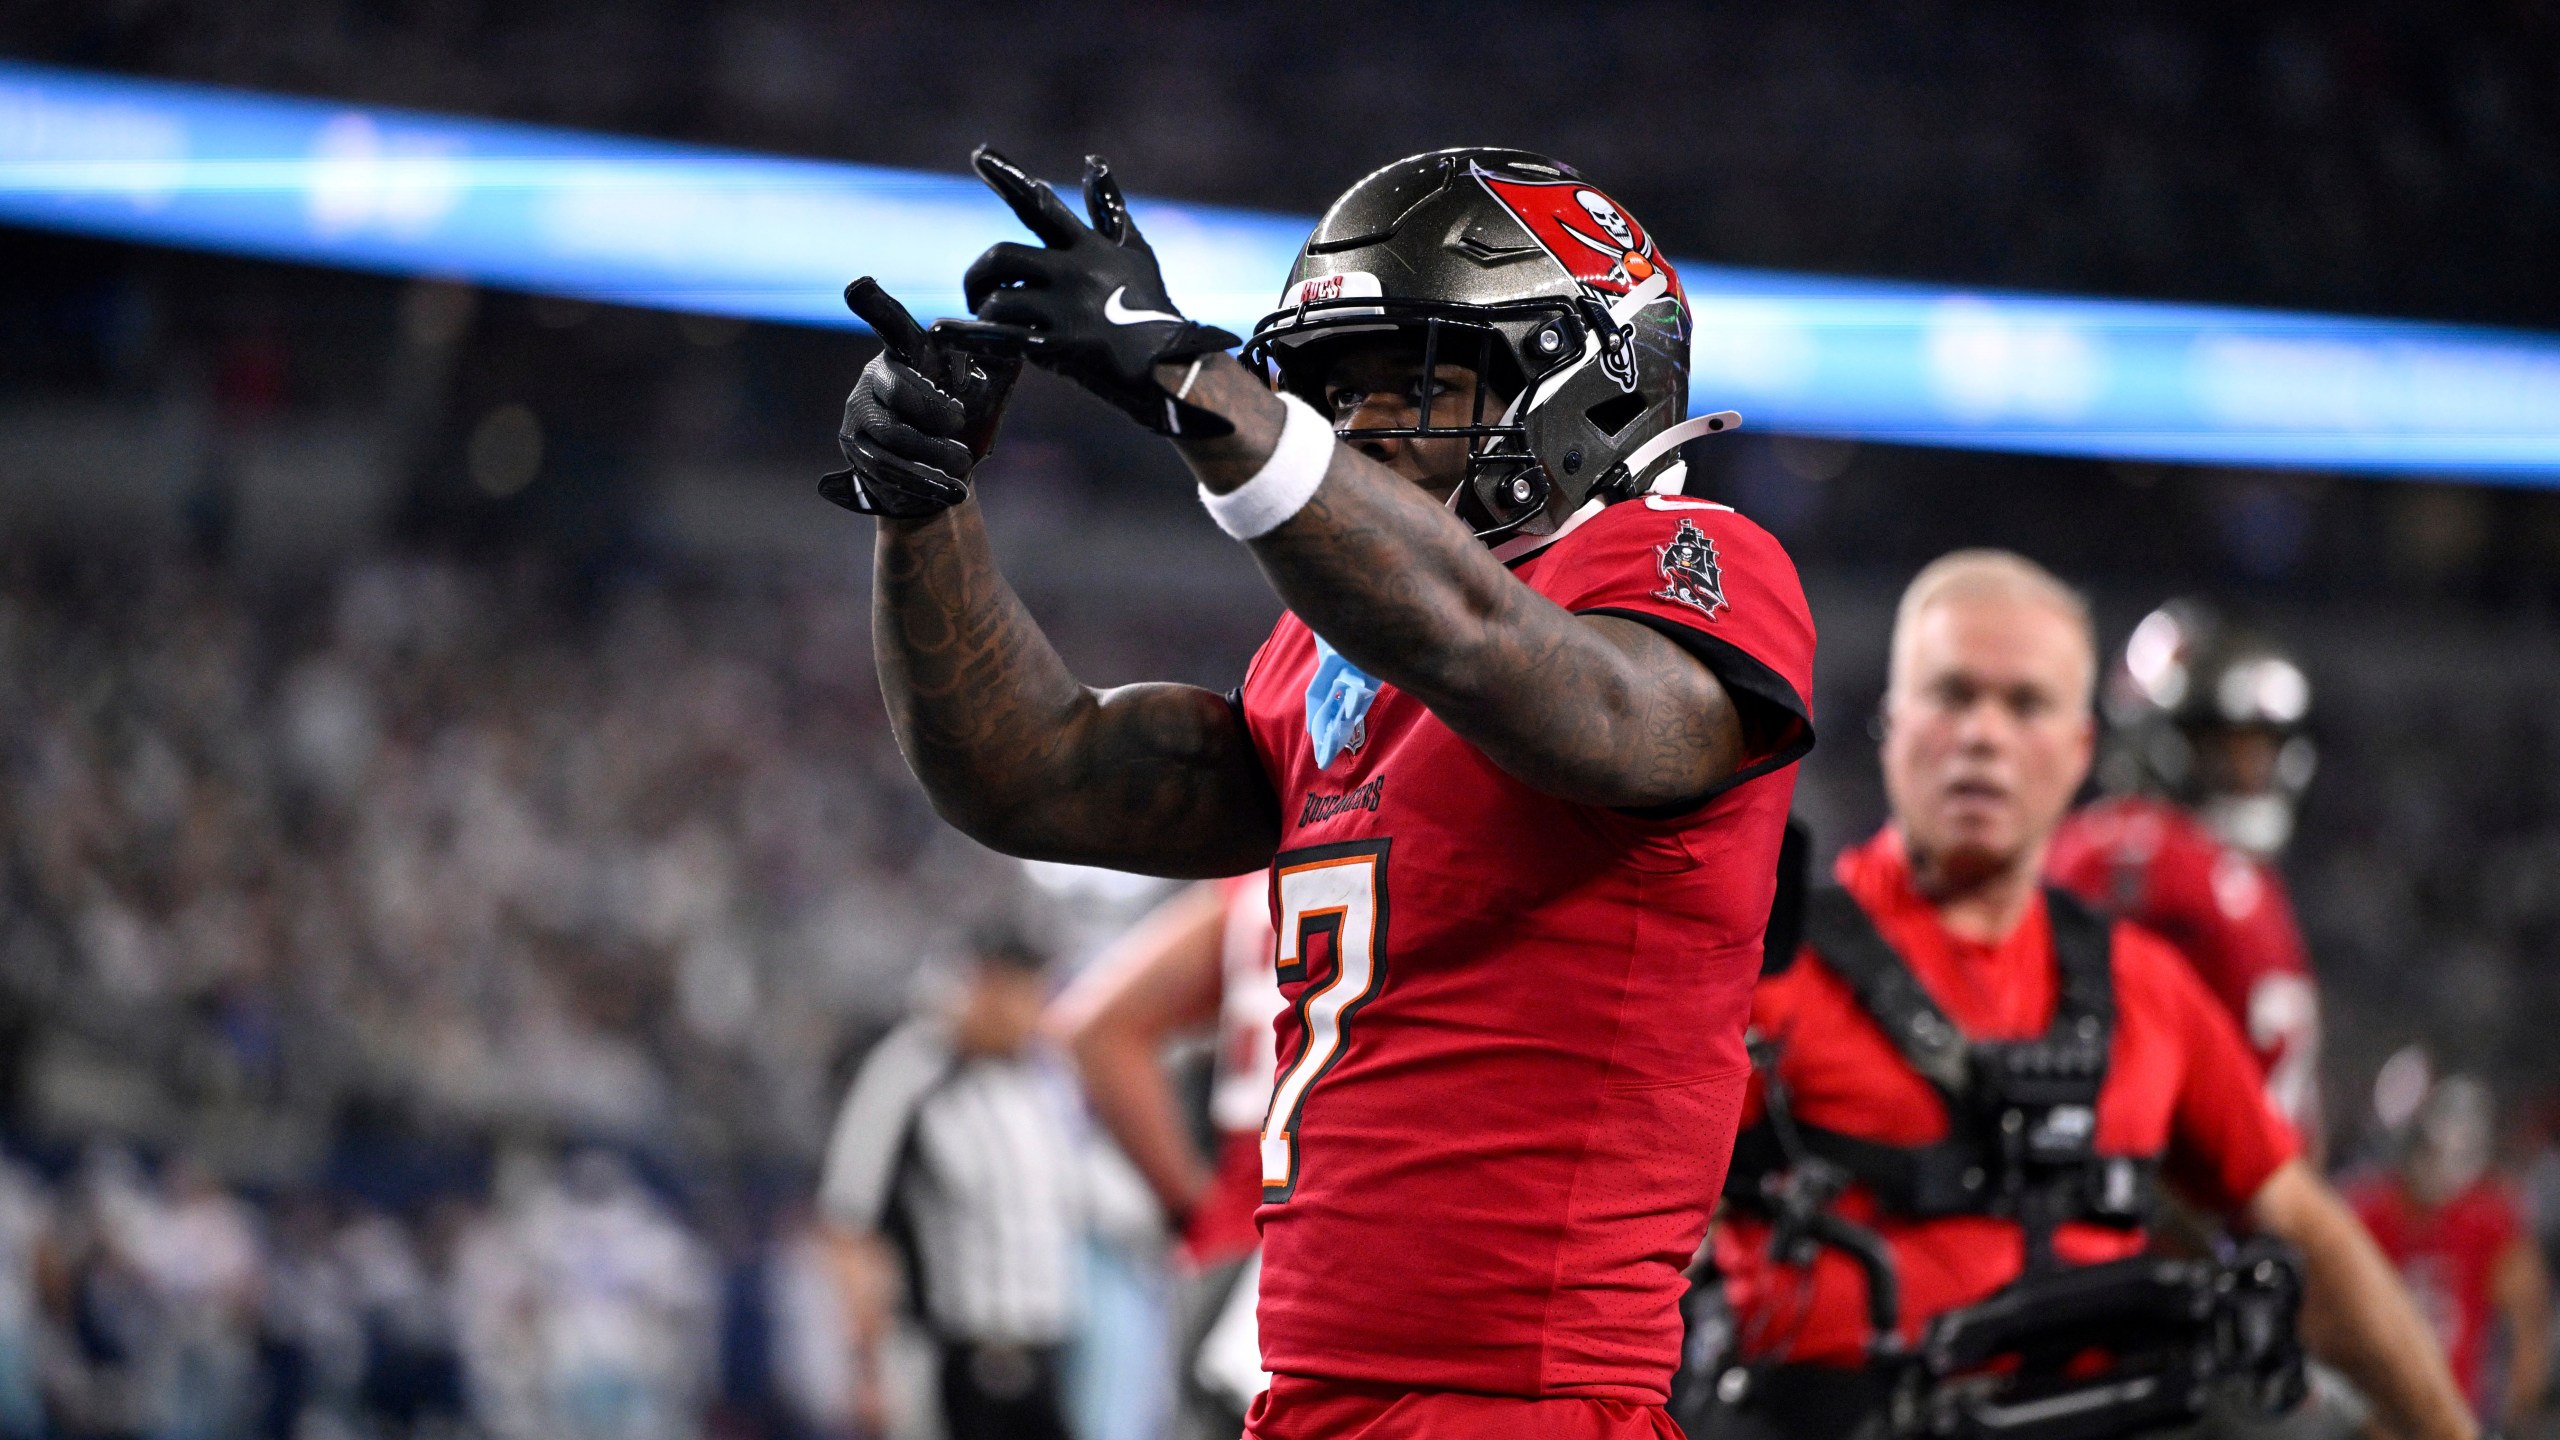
(2189, 680)
(1514, 264)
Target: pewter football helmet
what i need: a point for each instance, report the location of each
(1513, 264)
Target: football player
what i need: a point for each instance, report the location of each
(2208, 757)
(1202, 960)
(1519, 755)
(2458, 1233)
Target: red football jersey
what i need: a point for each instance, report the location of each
(2149, 861)
(2179, 1085)
(2449, 1257)
(1512, 1057)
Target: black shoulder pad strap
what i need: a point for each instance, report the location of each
(2082, 944)
(1840, 932)
(1786, 904)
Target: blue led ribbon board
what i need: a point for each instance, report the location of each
(768, 238)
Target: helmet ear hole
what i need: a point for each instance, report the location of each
(1616, 413)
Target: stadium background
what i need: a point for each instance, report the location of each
(436, 728)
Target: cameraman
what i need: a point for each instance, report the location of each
(1987, 734)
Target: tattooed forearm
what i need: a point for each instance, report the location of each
(1016, 753)
(1591, 708)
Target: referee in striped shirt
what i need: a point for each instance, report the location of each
(957, 1149)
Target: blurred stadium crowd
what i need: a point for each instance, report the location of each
(2364, 156)
(405, 915)
(365, 913)
(446, 876)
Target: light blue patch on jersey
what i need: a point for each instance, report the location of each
(1337, 699)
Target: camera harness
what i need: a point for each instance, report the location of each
(2022, 1115)
(2021, 1144)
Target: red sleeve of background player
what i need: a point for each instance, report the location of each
(1720, 588)
(2082, 860)
(2225, 1137)
(2228, 913)
(2268, 929)
(2146, 861)
(2235, 908)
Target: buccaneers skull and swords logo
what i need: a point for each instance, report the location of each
(1602, 248)
(1690, 574)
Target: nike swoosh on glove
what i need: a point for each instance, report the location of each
(918, 421)
(1088, 302)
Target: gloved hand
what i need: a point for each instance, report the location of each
(1089, 304)
(920, 418)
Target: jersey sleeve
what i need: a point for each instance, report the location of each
(2225, 1136)
(1716, 585)
(2280, 1008)
(2226, 914)
(2085, 865)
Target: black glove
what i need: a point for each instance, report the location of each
(920, 418)
(1090, 306)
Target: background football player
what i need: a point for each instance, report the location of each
(1202, 960)
(2458, 1234)
(2207, 757)
(1521, 775)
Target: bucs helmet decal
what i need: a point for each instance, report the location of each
(1600, 245)
(1596, 242)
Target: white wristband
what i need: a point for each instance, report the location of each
(1286, 481)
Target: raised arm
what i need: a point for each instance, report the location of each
(1593, 709)
(1587, 707)
(1022, 757)
(1008, 745)
(1159, 980)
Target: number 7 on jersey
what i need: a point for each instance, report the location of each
(1330, 900)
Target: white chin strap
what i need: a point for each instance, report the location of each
(1641, 459)
(1670, 440)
